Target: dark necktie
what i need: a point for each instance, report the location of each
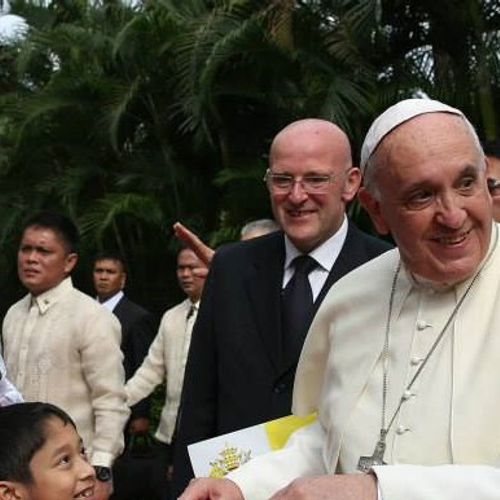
(191, 311)
(297, 305)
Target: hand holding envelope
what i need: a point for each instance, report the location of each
(208, 488)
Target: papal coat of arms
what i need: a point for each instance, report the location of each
(230, 458)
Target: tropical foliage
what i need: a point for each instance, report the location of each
(129, 116)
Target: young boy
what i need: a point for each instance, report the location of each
(41, 455)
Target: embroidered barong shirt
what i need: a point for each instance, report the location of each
(63, 347)
(166, 362)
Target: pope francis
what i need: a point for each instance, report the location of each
(402, 361)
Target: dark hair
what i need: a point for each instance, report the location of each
(492, 148)
(112, 255)
(60, 224)
(181, 246)
(23, 429)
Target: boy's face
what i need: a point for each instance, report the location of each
(60, 469)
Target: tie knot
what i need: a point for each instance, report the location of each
(304, 264)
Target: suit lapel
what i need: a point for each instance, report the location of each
(265, 280)
(263, 286)
(121, 312)
(120, 308)
(356, 358)
(350, 257)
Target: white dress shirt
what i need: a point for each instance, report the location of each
(166, 361)
(112, 302)
(63, 348)
(325, 255)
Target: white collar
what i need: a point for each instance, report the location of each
(189, 303)
(112, 302)
(325, 254)
(52, 296)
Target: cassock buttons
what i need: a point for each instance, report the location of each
(422, 325)
(402, 429)
(407, 395)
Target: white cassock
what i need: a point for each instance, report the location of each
(444, 443)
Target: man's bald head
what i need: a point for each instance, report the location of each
(312, 134)
(310, 180)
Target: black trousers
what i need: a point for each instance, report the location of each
(142, 475)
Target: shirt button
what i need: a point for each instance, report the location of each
(415, 361)
(407, 395)
(421, 325)
(279, 388)
(401, 430)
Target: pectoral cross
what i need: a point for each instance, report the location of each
(377, 458)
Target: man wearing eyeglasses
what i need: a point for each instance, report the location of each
(492, 152)
(251, 326)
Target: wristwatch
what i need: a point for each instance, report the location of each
(103, 473)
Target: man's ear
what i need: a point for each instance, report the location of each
(351, 184)
(10, 490)
(372, 206)
(71, 260)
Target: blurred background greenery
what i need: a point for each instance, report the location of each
(129, 116)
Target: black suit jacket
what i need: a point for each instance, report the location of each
(139, 327)
(235, 374)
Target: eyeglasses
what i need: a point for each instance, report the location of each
(493, 186)
(310, 183)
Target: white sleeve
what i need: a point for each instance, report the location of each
(152, 371)
(302, 456)
(8, 393)
(443, 482)
(101, 362)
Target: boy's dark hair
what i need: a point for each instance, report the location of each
(112, 255)
(22, 433)
(60, 224)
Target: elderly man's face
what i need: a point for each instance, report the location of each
(433, 197)
(312, 148)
